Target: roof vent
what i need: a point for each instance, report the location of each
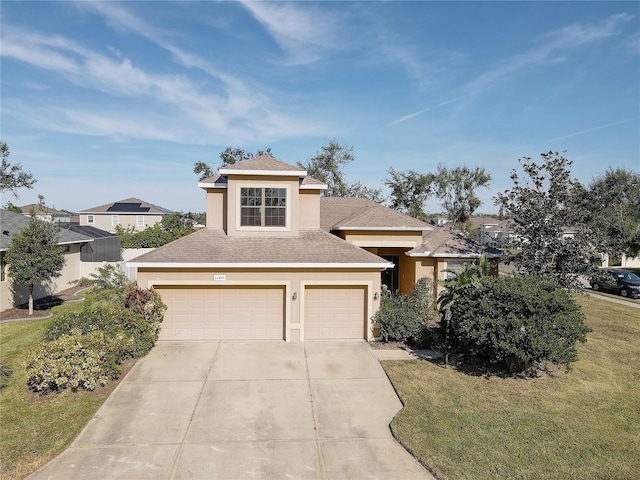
(5, 232)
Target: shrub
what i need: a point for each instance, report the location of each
(403, 317)
(5, 373)
(76, 361)
(517, 322)
(108, 277)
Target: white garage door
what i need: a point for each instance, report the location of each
(222, 313)
(334, 312)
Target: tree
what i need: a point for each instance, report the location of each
(34, 256)
(13, 176)
(10, 207)
(614, 203)
(326, 166)
(172, 227)
(409, 191)
(230, 156)
(456, 188)
(358, 190)
(543, 203)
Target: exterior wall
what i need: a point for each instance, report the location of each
(309, 209)
(103, 220)
(70, 272)
(433, 269)
(363, 239)
(217, 208)
(236, 182)
(293, 280)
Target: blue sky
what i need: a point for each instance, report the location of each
(104, 101)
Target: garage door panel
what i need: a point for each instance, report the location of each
(334, 312)
(222, 313)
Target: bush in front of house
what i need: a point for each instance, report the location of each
(84, 349)
(403, 317)
(76, 361)
(516, 323)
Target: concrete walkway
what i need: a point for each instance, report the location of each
(235, 410)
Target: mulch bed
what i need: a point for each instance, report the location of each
(41, 306)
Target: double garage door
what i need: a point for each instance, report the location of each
(258, 313)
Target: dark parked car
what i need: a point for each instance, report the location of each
(623, 282)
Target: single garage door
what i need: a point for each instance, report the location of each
(334, 312)
(222, 313)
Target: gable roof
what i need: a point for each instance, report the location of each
(12, 223)
(130, 206)
(212, 247)
(442, 242)
(263, 165)
(36, 207)
(341, 213)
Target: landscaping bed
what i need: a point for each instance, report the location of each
(581, 423)
(42, 307)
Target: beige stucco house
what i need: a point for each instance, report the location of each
(129, 213)
(279, 261)
(11, 223)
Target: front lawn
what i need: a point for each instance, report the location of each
(580, 424)
(36, 428)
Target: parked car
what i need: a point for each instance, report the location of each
(622, 282)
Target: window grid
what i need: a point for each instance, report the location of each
(140, 220)
(115, 220)
(90, 219)
(263, 207)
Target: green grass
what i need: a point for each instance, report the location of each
(584, 423)
(36, 428)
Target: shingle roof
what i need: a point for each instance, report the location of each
(263, 163)
(442, 242)
(12, 223)
(36, 207)
(214, 247)
(339, 213)
(121, 206)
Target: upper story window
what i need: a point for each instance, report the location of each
(263, 207)
(115, 220)
(90, 219)
(140, 221)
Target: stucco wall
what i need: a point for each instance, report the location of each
(103, 220)
(406, 240)
(294, 281)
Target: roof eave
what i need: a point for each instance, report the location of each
(270, 173)
(382, 265)
(384, 229)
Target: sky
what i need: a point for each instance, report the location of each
(106, 101)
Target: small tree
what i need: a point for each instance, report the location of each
(34, 256)
(13, 176)
(456, 188)
(326, 166)
(543, 203)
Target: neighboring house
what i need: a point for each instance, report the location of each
(105, 248)
(493, 231)
(128, 213)
(267, 267)
(46, 213)
(11, 223)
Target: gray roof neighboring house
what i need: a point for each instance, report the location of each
(442, 242)
(312, 248)
(37, 208)
(129, 206)
(341, 213)
(11, 223)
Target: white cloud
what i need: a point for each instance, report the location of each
(304, 34)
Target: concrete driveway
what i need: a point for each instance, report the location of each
(239, 410)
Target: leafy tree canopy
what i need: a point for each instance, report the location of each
(409, 191)
(456, 188)
(34, 255)
(229, 156)
(13, 176)
(613, 201)
(544, 202)
(327, 166)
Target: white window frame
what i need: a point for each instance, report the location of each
(263, 185)
(140, 220)
(115, 220)
(91, 219)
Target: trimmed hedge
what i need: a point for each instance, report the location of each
(517, 322)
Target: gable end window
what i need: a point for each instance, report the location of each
(263, 207)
